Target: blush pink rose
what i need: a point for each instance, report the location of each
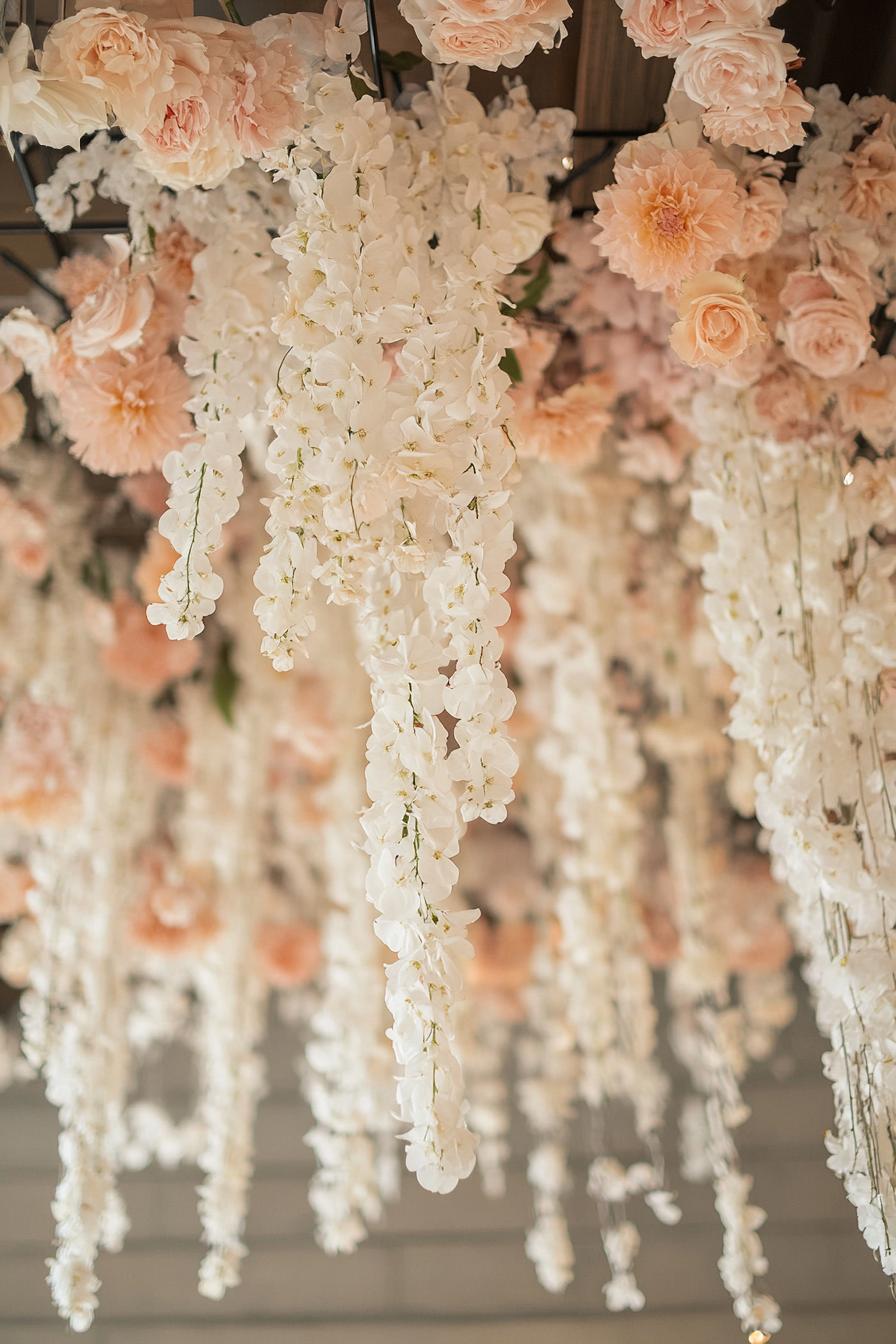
(716, 321)
(726, 66)
(827, 331)
(488, 44)
(114, 315)
(763, 216)
(112, 50)
(786, 403)
(769, 128)
(871, 193)
(867, 399)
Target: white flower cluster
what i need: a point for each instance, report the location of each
(806, 620)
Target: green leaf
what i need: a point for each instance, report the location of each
(360, 87)
(95, 575)
(225, 682)
(535, 289)
(400, 61)
(511, 366)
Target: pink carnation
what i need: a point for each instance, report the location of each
(669, 215)
(288, 954)
(141, 657)
(124, 415)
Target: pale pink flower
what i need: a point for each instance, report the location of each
(15, 883)
(488, 44)
(651, 456)
(172, 262)
(141, 657)
(147, 492)
(727, 66)
(716, 321)
(29, 339)
(125, 415)
(535, 348)
(13, 413)
(567, 428)
(112, 316)
(23, 535)
(113, 51)
(11, 370)
(763, 216)
(287, 953)
(867, 399)
(871, 192)
(264, 110)
(770, 127)
(79, 276)
(826, 330)
(39, 783)
(669, 215)
(176, 913)
(163, 750)
(157, 559)
(786, 403)
(663, 27)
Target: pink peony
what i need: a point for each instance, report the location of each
(867, 399)
(141, 657)
(288, 954)
(112, 316)
(729, 67)
(125, 416)
(716, 321)
(567, 428)
(871, 193)
(770, 127)
(39, 783)
(762, 219)
(13, 413)
(669, 215)
(163, 749)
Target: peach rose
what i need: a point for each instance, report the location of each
(871, 193)
(716, 322)
(827, 332)
(785, 403)
(13, 412)
(288, 954)
(867, 399)
(486, 44)
(114, 315)
(762, 218)
(114, 51)
(768, 127)
(727, 66)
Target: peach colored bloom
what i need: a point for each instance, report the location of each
(731, 67)
(763, 216)
(147, 492)
(157, 558)
(173, 262)
(23, 535)
(716, 321)
(174, 916)
(663, 27)
(871, 193)
(15, 883)
(567, 428)
(11, 370)
(669, 215)
(39, 783)
(487, 44)
(112, 316)
(537, 347)
(264, 110)
(112, 50)
(867, 399)
(124, 415)
(503, 953)
(13, 413)
(651, 456)
(826, 330)
(141, 657)
(79, 276)
(770, 127)
(287, 953)
(163, 749)
(28, 339)
(786, 403)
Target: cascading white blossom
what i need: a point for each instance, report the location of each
(805, 620)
